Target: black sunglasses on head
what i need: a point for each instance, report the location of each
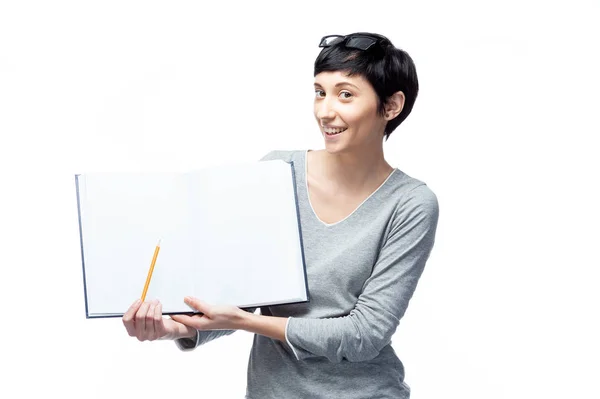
(361, 42)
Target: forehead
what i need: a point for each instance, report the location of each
(334, 78)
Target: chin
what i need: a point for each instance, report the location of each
(341, 144)
(336, 148)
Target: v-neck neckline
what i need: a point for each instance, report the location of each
(353, 211)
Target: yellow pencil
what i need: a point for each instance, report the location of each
(150, 271)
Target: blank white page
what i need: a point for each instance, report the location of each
(122, 216)
(245, 224)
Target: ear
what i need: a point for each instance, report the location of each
(394, 105)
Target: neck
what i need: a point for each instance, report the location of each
(355, 170)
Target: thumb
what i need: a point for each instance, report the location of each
(197, 304)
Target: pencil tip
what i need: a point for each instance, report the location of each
(158, 245)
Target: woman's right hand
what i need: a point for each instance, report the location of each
(144, 320)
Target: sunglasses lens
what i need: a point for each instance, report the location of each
(361, 43)
(330, 40)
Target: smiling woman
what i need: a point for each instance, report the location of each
(368, 230)
(346, 108)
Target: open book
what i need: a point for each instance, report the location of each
(229, 235)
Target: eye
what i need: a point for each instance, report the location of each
(319, 93)
(346, 95)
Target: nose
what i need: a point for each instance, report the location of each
(324, 109)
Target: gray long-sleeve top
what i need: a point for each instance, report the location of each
(362, 272)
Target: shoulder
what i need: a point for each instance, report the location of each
(284, 155)
(414, 199)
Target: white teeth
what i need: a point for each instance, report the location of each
(329, 130)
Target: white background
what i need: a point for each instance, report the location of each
(503, 132)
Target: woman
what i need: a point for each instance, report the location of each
(368, 229)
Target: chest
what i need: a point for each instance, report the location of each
(338, 263)
(331, 206)
(339, 260)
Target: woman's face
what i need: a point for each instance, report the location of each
(346, 110)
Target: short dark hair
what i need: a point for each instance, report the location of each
(387, 68)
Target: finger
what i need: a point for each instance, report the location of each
(197, 304)
(190, 321)
(140, 321)
(150, 328)
(129, 318)
(199, 322)
(182, 318)
(159, 323)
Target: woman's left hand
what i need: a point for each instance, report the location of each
(214, 317)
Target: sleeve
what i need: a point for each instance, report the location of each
(203, 337)
(369, 327)
(273, 155)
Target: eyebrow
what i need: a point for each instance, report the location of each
(339, 84)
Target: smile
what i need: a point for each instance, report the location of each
(334, 131)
